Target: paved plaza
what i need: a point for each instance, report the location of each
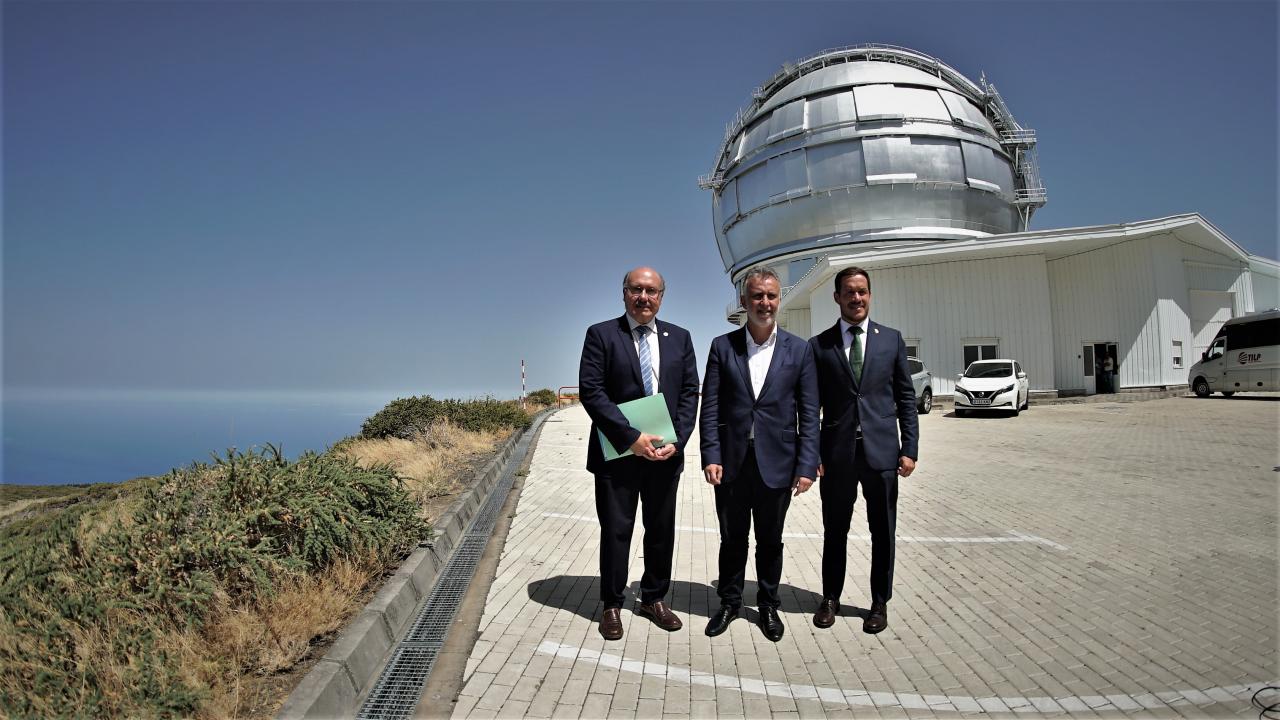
(1094, 560)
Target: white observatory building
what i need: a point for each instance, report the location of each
(888, 159)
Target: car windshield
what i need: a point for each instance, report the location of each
(989, 370)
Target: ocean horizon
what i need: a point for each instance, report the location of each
(60, 436)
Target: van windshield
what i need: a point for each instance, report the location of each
(989, 370)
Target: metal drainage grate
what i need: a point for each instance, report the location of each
(399, 688)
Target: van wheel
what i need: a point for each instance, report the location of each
(1201, 388)
(926, 401)
(1228, 393)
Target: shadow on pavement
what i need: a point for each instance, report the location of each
(580, 594)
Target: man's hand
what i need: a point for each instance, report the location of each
(714, 473)
(800, 485)
(644, 447)
(905, 466)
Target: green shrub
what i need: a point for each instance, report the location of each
(544, 396)
(407, 417)
(237, 527)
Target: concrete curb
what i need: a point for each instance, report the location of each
(334, 686)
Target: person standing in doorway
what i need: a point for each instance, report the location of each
(869, 438)
(759, 428)
(625, 359)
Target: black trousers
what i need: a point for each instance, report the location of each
(617, 494)
(880, 498)
(738, 501)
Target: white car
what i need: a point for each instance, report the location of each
(992, 385)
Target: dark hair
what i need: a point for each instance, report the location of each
(850, 272)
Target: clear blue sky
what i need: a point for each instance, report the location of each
(412, 196)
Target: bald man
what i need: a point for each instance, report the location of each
(625, 359)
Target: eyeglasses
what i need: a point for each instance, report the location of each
(640, 291)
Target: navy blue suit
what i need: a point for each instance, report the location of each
(866, 426)
(609, 374)
(758, 473)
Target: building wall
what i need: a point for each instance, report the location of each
(943, 304)
(1171, 310)
(1107, 295)
(1266, 286)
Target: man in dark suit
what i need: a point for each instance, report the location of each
(626, 359)
(869, 437)
(759, 445)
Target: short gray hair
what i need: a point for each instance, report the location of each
(626, 278)
(761, 272)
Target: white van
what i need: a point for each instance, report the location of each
(1244, 355)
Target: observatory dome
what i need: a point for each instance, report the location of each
(871, 143)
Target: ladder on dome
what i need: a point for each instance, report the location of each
(1029, 194)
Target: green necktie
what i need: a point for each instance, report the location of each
(855, 353)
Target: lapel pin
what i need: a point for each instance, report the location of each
(664, 333)
(877, 330)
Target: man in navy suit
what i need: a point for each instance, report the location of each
(869, 437)
(626, 359)
(759, 432)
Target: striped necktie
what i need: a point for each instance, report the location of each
(646, 360)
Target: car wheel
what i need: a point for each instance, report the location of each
(961, 413)
(1228, 393)
(1201, 388)
(926, 401)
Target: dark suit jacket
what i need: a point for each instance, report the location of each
(884, 402)
(785, 414)
(610, 374)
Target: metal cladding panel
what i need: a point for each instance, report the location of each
(789, 175)
(851, 74)
(878, 102)
(989, 169)
(836, 165)
(1107, 295)
(831, 110)
(966, 112)
(1172, 303)
(786, 120)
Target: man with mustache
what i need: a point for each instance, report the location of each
(625, 359)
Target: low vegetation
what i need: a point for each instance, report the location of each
(187, 594)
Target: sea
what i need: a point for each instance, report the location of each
(61, 436)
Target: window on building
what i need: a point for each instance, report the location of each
(913, 348)
(980, 349)
(1177, 353)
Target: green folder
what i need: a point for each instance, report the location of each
(649, 415)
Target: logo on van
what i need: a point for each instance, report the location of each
(1246, 358)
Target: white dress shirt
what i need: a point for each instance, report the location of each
(652, 339)
(759, 356)
(846, 337)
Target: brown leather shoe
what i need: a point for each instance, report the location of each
(661, 615)
(611, 624)
(826, 615)
(877, 619)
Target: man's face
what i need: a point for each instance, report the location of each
(854, 299)
(760, 298)
(642, 295)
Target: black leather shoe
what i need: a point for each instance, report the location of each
(826, 615)
(877, 619)
(611, 624)
(770, 623)
(720, 621)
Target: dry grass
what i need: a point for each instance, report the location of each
(434, 463)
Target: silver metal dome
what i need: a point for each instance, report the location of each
(868, 143)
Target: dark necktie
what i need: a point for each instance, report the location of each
(855, 353)
(646, 362)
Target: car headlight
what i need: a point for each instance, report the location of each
(1004, 390)
(963, 392)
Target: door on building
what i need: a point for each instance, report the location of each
(1108, 367)
(1090, 371)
